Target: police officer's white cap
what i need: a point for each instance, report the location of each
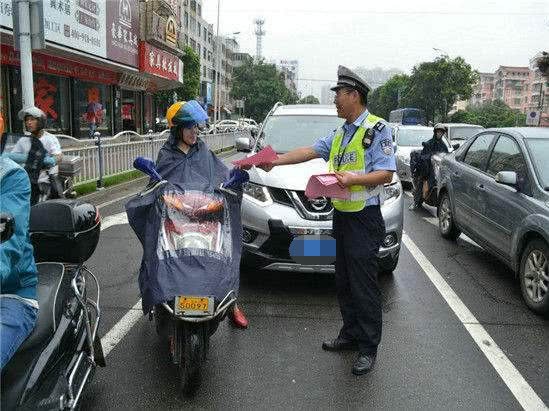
(347, 78)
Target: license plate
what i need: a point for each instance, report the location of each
(192, 305)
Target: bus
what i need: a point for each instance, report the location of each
(407, 116)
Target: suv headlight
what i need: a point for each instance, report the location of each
(392, 192)
(257, 194)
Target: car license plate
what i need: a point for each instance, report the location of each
(193, 305)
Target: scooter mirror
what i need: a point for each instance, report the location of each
(7, 226)
(147, 166)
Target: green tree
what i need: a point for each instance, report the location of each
(191, 81)
(191, 76)
(387, 97)
(261, 86)
(492, 114)
(435, 86)
(309, 100)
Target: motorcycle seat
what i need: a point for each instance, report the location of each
(52, 288)
(51, 292)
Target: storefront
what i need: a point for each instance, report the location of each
(95, 73)
(63, 89)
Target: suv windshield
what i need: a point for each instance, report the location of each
(413, 138)
(284, 133)
(464, 133)
(539, 151)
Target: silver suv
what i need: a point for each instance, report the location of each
(275, 208)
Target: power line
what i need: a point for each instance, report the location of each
(378, 83)
(390, 13)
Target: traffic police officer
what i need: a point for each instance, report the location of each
(360, 153)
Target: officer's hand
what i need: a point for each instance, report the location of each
(344, 178)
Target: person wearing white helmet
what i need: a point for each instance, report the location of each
(424, 183)
(38, 141)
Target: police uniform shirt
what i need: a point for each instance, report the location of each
(379, 156)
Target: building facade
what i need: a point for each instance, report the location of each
(109, 54)
(521, 88)
(483, 91)
(198, 34)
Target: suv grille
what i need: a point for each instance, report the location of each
(280, 196)
(323, 205)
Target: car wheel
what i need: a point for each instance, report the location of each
(387, 268)
(446, 224)
(534, 276)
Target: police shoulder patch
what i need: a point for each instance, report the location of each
(379, 126)
(387, 146)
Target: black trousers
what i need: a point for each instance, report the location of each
(358, 238)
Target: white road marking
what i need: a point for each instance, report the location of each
(516, 383)
(121, 328)
(115, 200)
(434, 221)
(115, 219)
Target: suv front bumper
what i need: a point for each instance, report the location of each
(269, 231)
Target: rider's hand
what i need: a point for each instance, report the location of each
(243, 167)
(266, 166)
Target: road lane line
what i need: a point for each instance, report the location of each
(516, 383)
(115, 219)
(121, 328)
(107, 203)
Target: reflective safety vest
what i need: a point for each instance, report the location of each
(352, 159)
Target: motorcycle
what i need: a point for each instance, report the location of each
(191, 223)
(54, 185)
(53, 366)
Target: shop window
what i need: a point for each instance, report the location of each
(131, 111)
(93, 108)
(51, 95)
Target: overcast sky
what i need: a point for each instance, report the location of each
(393, 33)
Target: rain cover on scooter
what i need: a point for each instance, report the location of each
(191, 233)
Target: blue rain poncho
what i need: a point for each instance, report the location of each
(190, 231)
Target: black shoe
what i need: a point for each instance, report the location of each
(364, 364)
(339, 344)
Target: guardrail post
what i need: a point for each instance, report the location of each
(97, 136)
(151, 138)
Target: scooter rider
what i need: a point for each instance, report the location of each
(183, 119)
(35, 121)
(423, 181)
(18, 274)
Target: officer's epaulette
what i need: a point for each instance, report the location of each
(379, 126)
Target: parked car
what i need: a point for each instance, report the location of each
(249, 124)
(461, 132)
(495, 189)
(408, 139)
(275, 208)
(226, 126)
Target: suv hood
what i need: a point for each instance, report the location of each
(291, 177)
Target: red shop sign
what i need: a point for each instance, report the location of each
(158, 62)
(59, 66)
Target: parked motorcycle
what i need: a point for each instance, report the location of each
(191, 225)
(52, 367)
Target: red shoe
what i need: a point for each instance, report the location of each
(238, 318)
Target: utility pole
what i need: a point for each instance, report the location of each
(28, 26)
(217, 74)
(541, 98)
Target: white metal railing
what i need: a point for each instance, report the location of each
(118, 157)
